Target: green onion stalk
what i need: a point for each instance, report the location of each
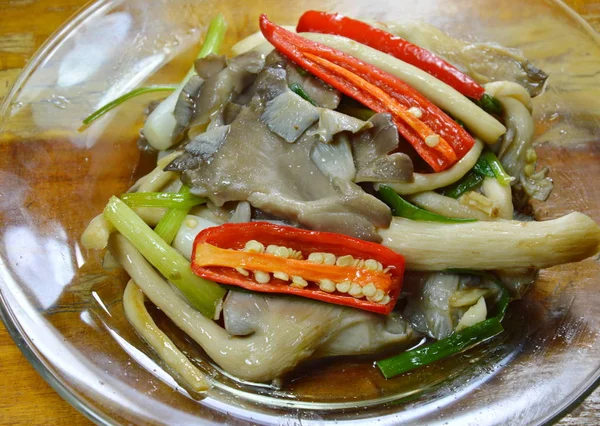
(181, 201)
(487, 165)
(469, 182)
(454, 344)
(171, 221)
(204, 295)
(499, 172)
(490, 104)
(212, 44)
(401, 207)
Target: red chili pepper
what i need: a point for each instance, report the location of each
(219, 252)
(337, 68)
(334, 23)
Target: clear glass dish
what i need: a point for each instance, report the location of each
(63, 309)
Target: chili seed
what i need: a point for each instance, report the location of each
(262, 277)
(295, 254)
(329, 258)
(432, 140)
(355, 290)
(281, 275)
(298, 282)
(242, 271)
(254, 246)
(316, 258)
(378, 296)
(191, 223)
(359, 263)
(343, 287)
(373, 265)
(369, 290)
(415, 112)
(346, 260)
(327, 286)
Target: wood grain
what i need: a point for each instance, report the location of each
(25, 398)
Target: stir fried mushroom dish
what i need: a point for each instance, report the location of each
(339, 188)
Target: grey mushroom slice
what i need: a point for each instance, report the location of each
(185, 105)
(226, 85)
(371, 150)
(205, 145)
(389, 168)
(210, 65)
(183, 162)
(335, 159)
(334, 122)
(350, 331)
(289, 116)
(279, 178)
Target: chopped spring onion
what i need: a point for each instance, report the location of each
(457, 342)
(136, 92)
(214, 36)
(298, 90)
(168, 200)
(490, 104)
(467, 183)
(360, 113)
(483, 168)
(487, 165)
(401, 207)
(170, 223)
(499, 172)
(202, 294)
(212, 43)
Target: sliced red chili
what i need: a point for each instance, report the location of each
(334, 23)
(453, 143)
(219, 253)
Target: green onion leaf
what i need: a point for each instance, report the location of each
(470, 181)
(456, 343)
(360, 113)
(214, 36)
(169, 224)
(501, 175)
(202, 294)
(490, 104)
(162, 199)
(134, 93)
(298, 90)
(482, 168)
(401, 207)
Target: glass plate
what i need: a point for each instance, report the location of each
(64, 310)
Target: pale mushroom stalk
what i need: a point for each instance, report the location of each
(140, 319)
(500, 244)
(286, 332)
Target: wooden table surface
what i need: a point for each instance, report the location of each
(25, 398)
